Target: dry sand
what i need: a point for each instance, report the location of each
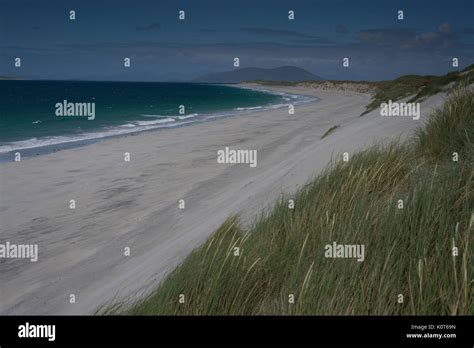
(135, 204)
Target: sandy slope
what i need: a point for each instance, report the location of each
(135, 204)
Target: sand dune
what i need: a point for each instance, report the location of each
(135, 204)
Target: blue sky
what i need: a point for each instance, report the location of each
(162, 48)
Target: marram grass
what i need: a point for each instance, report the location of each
(330, 130)
(409, 267)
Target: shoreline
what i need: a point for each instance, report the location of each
(31, 152)
(135, 204)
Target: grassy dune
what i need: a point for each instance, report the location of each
(408, 251)
(419, 87)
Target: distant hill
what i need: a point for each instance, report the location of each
(284, 73)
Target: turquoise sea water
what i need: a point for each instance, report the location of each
(28, 108)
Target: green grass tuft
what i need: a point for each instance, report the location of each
(450, 129)
(330, 130)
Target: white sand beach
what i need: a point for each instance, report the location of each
(135, 204)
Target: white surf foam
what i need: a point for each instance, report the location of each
(160, 121)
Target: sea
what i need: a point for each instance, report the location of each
(29, 109)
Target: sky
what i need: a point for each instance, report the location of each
(163, 48)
